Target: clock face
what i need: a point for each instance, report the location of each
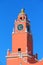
(20, 27)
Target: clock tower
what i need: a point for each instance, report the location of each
(22, 42)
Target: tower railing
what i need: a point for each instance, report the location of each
(20, 55)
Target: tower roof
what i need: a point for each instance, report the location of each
(22, 11)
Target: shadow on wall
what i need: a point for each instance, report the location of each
(40, 62)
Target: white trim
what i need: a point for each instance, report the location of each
(21, 63)
(13, 31)
(20, 55)
(28, 22)
(36, 59)
(11, 56)
(26, 30)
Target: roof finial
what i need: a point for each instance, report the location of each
(22, 11)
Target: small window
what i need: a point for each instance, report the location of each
(21, 18)
(19, 49)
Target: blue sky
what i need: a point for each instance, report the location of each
(9, 10)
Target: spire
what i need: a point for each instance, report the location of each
(22, 11)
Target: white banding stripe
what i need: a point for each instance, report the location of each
(21, 55)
